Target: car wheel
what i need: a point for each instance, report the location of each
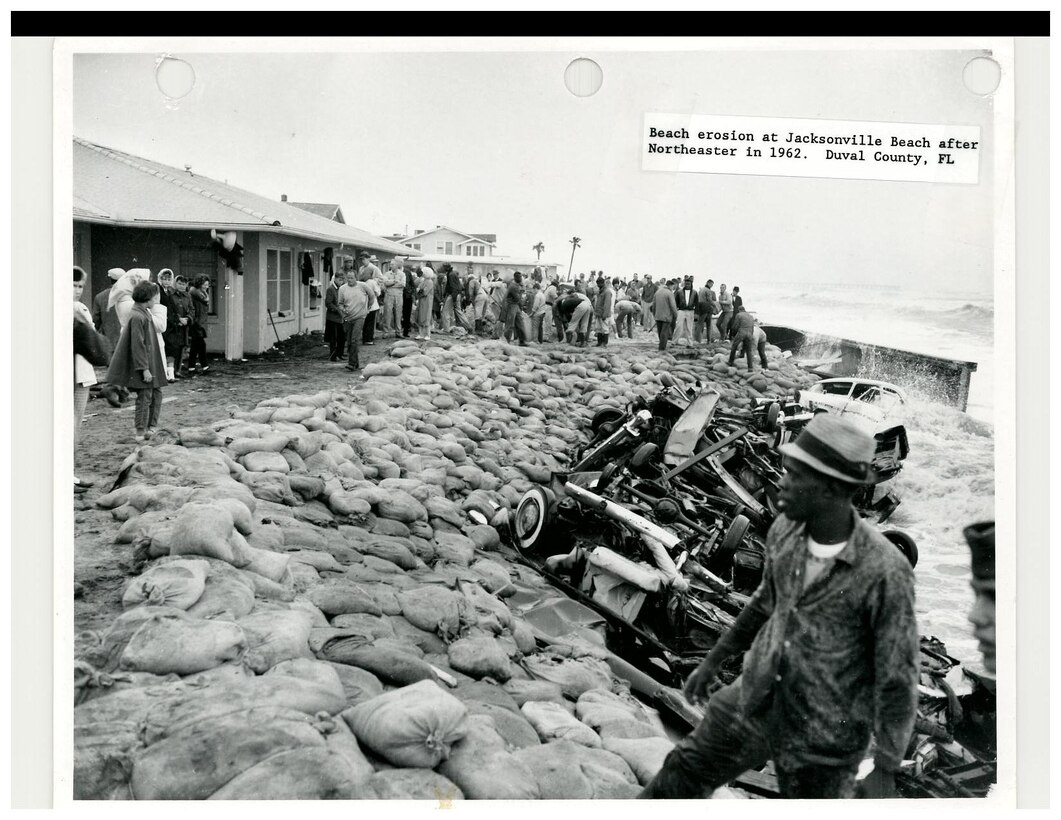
(606, 415)
(907, 546)
(738, 528)
(772, 413)
(643, 455)
(532, 519)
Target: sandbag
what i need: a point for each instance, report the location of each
(568, 771)
(343, 598)
(574, 675)
(174, 768)
(433, 609)
(390, 549)
(178, 584)
(531, 690)
(401, 506)
(515, 729)
(358, 684)
(182, 644)
(273, 637)
(414, 726)
(389, 663)
(206, 529)
(409, 784)
(299, 774)
(644, 756)
(552, 722)
(480, 657)
(481, 766)
(272, 443)
(599, 707)
(224, 597)
(450, 546)
(272, 565)
(429, 642)
(103, 754)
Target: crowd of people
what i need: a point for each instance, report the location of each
(406, 299)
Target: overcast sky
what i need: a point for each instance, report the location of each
(495, 143)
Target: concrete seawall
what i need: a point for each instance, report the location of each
(939, 379)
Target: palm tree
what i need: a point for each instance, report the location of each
(571, 267)
(539, 249)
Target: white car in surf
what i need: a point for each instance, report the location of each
(874, 405)
(870, 403)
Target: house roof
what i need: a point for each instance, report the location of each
(325, 209)
(470, 236)
(114, 187)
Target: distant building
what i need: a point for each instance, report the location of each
(448, 242)
(134, 212)
(476, 252)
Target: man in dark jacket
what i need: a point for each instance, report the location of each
(334, 334)
(648, 303)
(686, 301)
(106, 319)
(408, 297)
(665, 309)
(513, 311)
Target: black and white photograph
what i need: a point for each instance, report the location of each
(543, 419)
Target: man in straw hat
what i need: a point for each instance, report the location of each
(831, 640)
(981, 540)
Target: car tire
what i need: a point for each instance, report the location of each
(532, 520)
(606, 415)
(772, 412)
(644, 455)
(905, 543)
(735, 533)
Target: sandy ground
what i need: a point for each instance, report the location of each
(102, 567)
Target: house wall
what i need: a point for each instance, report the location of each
(102, 247)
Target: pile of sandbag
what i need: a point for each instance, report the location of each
(323, 608)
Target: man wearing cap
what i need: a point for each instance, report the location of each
(832, 644)
(981, 540)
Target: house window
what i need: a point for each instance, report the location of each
(279, 290)
(467, 250)
(439, 247)
(195, 262)
(449, 248)
(415, 246)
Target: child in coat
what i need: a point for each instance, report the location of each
(138, 362)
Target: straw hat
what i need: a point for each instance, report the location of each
(835, 447)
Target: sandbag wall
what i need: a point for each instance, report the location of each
(322, 617)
